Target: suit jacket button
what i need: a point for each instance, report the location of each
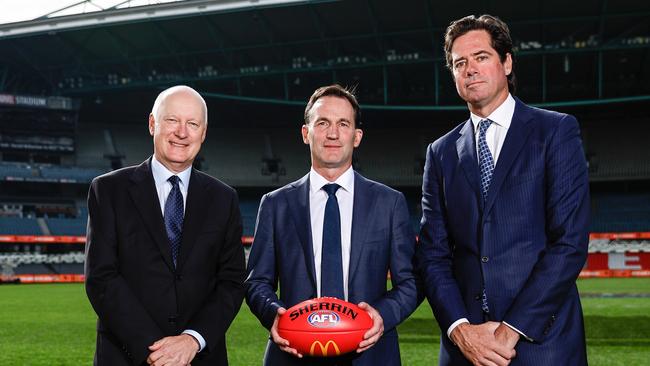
(477, 297)
(179, 277)
(485, 259)
(172, 320)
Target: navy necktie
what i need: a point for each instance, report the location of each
(486, 164)
(174, 217)
(331, 267)
(485, 160)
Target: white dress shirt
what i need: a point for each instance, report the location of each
(496, 133)
(317, 201)
(160, 176)
(494, 136)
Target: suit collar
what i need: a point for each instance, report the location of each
(363, 206)
(143, 193)
(198, 200)
(362, 211)
(466, 150)
(298, 202)
(515, 139)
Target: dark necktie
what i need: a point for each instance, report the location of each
(485, 160)
(486, 164)
(174, 217)
(331, 267)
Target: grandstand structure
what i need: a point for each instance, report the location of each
(76, 90)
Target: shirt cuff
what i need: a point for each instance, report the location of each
(454, 325)
(196, 336)
(518, 331)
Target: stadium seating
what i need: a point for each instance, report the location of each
(47, 172)
(618, 246)
(19, 226)
(249, 215)
(609, 159)
(67, 226)
(17, 171)
(70, 174)
(35, 263)
(620, 212)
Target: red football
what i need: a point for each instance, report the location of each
(324, 327)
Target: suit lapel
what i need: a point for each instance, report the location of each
(196, 208)
(515, 140)
(362, 208)
(298, 201)
(144, 195)
(466, 149)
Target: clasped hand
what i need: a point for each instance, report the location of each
(487, 344)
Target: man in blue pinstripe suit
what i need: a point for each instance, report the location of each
(505, 215)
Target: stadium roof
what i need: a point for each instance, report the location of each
(275, 51)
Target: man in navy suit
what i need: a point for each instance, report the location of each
(505, 214)
(292, 246)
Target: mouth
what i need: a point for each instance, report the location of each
(473, 83)
(176, 144)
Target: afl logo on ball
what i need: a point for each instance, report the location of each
(323, 319)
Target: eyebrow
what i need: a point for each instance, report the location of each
(329, 120)
(473, 54)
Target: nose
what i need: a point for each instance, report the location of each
(181, 130)
(471, 68)
(333, 132)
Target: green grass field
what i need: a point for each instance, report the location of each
(54, 325)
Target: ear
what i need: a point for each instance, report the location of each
(358, 135)
(507, 64)
(305, 134)
(152, 124)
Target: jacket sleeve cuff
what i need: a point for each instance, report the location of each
(454, 325)
(518, 331)
(196, 336)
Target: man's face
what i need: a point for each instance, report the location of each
(178, 130)
(331, 133)
(480, 77)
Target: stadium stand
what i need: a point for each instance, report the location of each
(17, 171)
(67, 226)
(28, 263)
(70, 173)
(593, 66)
(618, 212)
(19, 226)
(617, 153)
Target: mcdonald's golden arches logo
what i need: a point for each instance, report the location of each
(323, 349)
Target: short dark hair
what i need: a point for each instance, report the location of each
(495, 27)
(335, 90)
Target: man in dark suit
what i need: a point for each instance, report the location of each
(164, 260)
(293, 243)
(505, 214)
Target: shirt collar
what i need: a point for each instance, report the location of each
(502, 116)
(317, 181)
(161, 174)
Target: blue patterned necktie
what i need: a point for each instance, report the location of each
(485, 160)
(174, 217)
(486, 164)
(331, 267)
